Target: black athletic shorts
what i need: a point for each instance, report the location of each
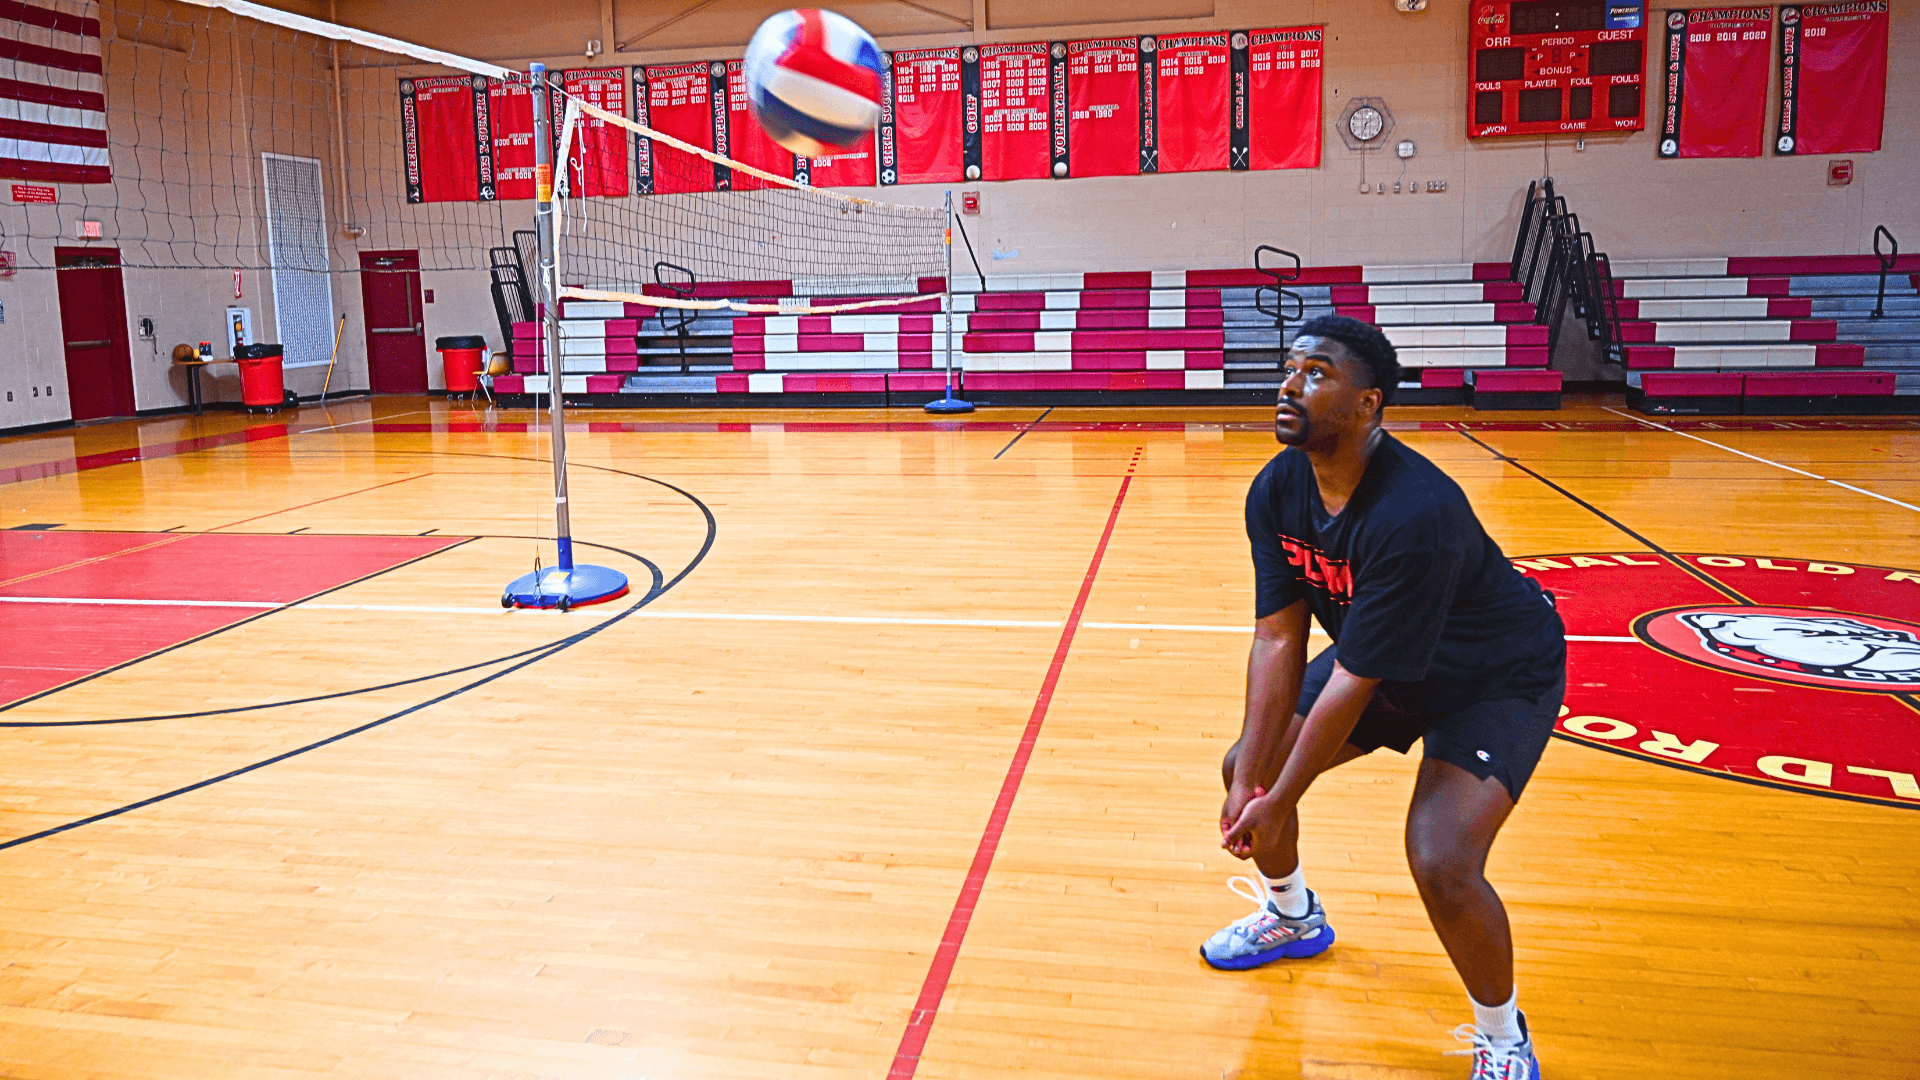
(1503, 737)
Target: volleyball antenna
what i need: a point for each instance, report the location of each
(948, 403)
(566, 584)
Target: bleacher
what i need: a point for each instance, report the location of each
(1769, 335)
(1700, 336)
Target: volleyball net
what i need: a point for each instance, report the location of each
(217, 135)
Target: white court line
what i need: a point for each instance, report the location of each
(1761, 460)
(356, 423)
(720, 616)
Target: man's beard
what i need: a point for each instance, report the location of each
(1300, 434)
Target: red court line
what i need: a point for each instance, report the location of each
(907, 1059)
(40, 470)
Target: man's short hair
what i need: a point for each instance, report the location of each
(1367, 344)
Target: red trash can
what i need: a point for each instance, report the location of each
(262, 385)
(460, 360)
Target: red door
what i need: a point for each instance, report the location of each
(396, 336)
(93, 324)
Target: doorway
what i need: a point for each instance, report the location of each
(396, 334)
(93, 328)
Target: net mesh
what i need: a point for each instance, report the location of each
(799, 248)
(240, 137)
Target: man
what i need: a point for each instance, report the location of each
(1436, 637)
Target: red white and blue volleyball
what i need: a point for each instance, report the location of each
(813, 81)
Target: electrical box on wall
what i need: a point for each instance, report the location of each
(1539, 67)
(239, 326)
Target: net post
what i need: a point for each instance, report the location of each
(566, 585)
(949, 403)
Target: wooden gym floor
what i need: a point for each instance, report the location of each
(906, 764)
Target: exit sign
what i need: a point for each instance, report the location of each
(34, 193)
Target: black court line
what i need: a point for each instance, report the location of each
(1704, 578)
(1911, 701)
(543, 652)
(1023, 431)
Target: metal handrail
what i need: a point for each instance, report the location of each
(1888, 259)
(1281, 294)
(682, 317)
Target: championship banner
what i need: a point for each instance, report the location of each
(846, 168)
(676, 100)
(1716, 100)
(1833, 78)
(510, 113)
(597, 166)
(443, 120)
(1276, 97)
(1103, 103)
(1057, 110)
(921, 117)
(747, 141)
(1192, 91)
(1004, 103)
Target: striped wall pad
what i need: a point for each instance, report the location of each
(1381, 295)
(1384, 315)
(876, 360)
(1136, 319)
(1095, 380)
(825, 343)
(1103, 360)
(1691, 288)
(1730, 331)
(1469, 356)
(1745, 307)
(1077, 300)
(1716, 357)
(1084, 340)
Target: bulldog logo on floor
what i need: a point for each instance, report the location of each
(1792, 673)
(1794, 645)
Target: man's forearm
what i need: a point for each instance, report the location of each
(1274, 670)
(1335, 713)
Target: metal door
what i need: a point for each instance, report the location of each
(396, 336)
(93, 326)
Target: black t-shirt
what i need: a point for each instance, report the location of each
(1406, 582)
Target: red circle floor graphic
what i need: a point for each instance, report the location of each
(1792, 673)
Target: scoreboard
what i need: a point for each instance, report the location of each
(1550, 66)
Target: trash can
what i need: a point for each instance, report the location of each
(262, 385)
(460, 360)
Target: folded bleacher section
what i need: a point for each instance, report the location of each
(1790, 335)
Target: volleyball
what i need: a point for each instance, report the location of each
(813, 81)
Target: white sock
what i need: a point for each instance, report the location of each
(1289, 894)
(1501, 1023)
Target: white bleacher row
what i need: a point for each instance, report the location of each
(1409, 275)
(1069, 300)
(1667, 268)
(1157, 360)
(1486, 356)
(1712, 357)
(1683, 288)
(1748, 307)
(1417, 314)
(1161, 279)
(1670, 333)
(1378, 295)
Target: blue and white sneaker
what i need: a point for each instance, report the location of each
(1266, 935)
(1493, 1061)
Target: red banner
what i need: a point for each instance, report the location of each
(511, 106)
(1283, 97)
(676, 100)
(1013, 112)
(1103, 107)
(845, 168)
(1194, 94)
(1833, 78)
(1717, 63)
(920, 135)
(748, 142)
(598, 164)
(443, 152)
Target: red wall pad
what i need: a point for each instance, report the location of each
(1692, 384)
(1819, 384)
